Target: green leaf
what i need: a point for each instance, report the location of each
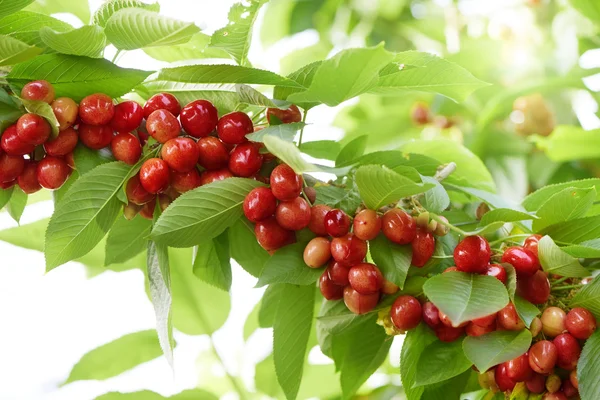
(303, 77)
(13, 51)
(511, 280)
(336, 197)
(416, 71)
(587, 249)
(8, 7)
(244, 247)
(159, 279)
(25, 26)
(326, 149)
(126, 239)
(440, 361)
(195, 48)
(379, 186)
(574, 231)
(449, 389)
(116, 357)
(16, 205)
(491, 199)
(568, 204)
(496, 347)
(5, 195)
(190, 394)
(251, 324)
(77, 77)
(87, 159)
(569, 143)
(269, 304)
(588, 297)
(223, 73)
(202, 213)
(556, 261)
(289, 154)
(588, 368)
(351, 151)
(291, 330)
(108, 8)
(505, 215)
(287, 266)
(79, 8)
(235, 38)
(464, 297)
(392, 259)
(536, 199)
(89, 41)
(527, 311)
(43, 109)
(415, 342)
(359, 69)
(85, 215)
(211, 262)
(135, 28)
(285, 132)
(249, 95)
(436, 198)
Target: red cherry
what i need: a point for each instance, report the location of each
(573, 379)
(497, 271)
(502, 379)
(212, 153)
(33, 129)
(155, 175)
(292, 114)
(147, 210)
(28, 181)
(423, 247)
(531, 244)
(63, 144)
(472, 254)
(554, 396)
(431, 315)
(70, 160)
(535, 289)
(213, 176)
(96, 109)
(420, 114)
(199, 118)
(399, 227)
(445, 319)
(553, 321)
(95, 137)
(162, 126)
(136, 193)
(180, 153)
(447, 333)
(508, 318)
(271, 236)
(66, 111)
(285, 183)
(185, 181)
(233, 127)
(348, 250)
(476, 330)
(580, 323)
(10, 167)
(128, 116)
(38, 91)
(245, 160)
(330, 290)
(317, 252)
(543, 356)
(337, 223)
(568, 350)
(366, 278)
(126, 147)
(162, 101)
(360, 303)
(338, 273)
(259, 204)
(317, 219)
(486, 321)
(536, 384)
(367, 224)
(11, 144)
(525, 262)
(294, 214)
(52, 172)
(568, 389)
(406, 313)
(518, 368)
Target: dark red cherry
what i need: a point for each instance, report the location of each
(39, 91)
(147, 210)
(212, 153)
(128, 116)
(348, 250)
(475, 330)
(66, 112)
(518, 368)
(285, 183)
(497, 271)
(448, 333)
(10, 167)
(365, 278)
(580, 323)
(28, 181)
(568, 351)
(12, 144)
(126, 147)
(199, 118)
(181, 154)
(398, 226)
(536, 384)
(330, 290)
(233, 127)
(531, 244)
(271, 236)
(292, 114)
(162, 101)
(543, 356)
(431, 315)
(317, 219)
(259, 204)
(525, 262)
(406, 312)
(245, 160)
(52, 172)
(366, 225)
(94, 136)
(472, 254)
(155, 175)
(96, 109)
(293, 214)
(337, 223)
(535, 289)
(423, 247)
(33, 129)
(360, 303)
(162, 126)
(338, 273)
(502, 379)
(63, 144)
(136, 193)
(485, 321)
(213, 176)
(185, 181)
(568, 389)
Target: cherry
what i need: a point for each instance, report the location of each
(423, 247)
(553, 321)
(367, 225)
(294, 214)
(518, 368)
(259, 204)
(448, 333)
(163, 126)
(580, 323)
(536, 327)
(12, 145)
(537, 383)
(52, 172)
(497, 271)
(317, 252)
(126, 147)
(63, 144)
(271, 235)
(525, 262)
(39, 91)
(185, 181)
(419, 114)
(128, 116)
(486, 321)
(162, 101)
(212, 153)
(568, 389)
(70, 160)
(96, 109)
(130, 210)
(164, 201)
(360, 303)
(448, 322)
(292, 114)
(366, 278)
(155, 175)
(233, 127)
(142, 134)
(180, 153)
(285, 183)
(245, 160)
(508, 318)
(573, 379)
(136, 193)
(33, 129)
(535, 289)
(95, 137)
(147, 210)
(317, 219)
(28, 181)
(329, 289)
(8, 185)
(214, 176)
(553, 383)
(337, 223)
(66, 111)
(568, 350)
(338, 273)
(406, 312)
(441, 229)
(389, 287)
(502, 379)
(348, 250)
(431, 314)
(531, 244)
(398, 226)
(10, 167)
(554, 396)
(476, 330)
(472, 254)
(543, 356)
(199, 118)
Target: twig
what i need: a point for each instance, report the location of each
(302, 129)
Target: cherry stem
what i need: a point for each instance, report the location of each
(302, 129)
(568, 287)
(117, 54)
(561, 280)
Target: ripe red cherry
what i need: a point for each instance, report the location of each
(406, 313)
(367, 225)
(162, 101)
(28, 181)
(448, 322)
(285, 183)
(573, 379)
(531, 244)
(294, 214)
(431, 315)
(245, 160)
(136, 193)
(360, 303)
(212, 153)
(338, 273)
(147, 210)
(317, 252)
(180, 153)
(259, 204)
(292, 114)
(337, 223)
(568, 350)
(486, 321)
(419, 114)
(497, 271)
(214, 176)
(70, 160)
(271, 236)
(423, 247)
(398, 226)
(543, 356)
(317, 219)
(366, 278)
(508, 319)
(63, 144)
(233, 127)
(476, 330)
(33, 129)
(580, 323)
(536, 384)
(553, 321)
(95, 137)
(448, 333)
(155, 175)
(96, 109)
(502, 379)
(66, 111)
(518, 369)
(199, 118)
(38, 90)
(185, 181)
(52, 172)
(472, 254)
(525, 262)
(329, 289)
(163, 126)
(126, 147)
(568, 389)
(535, 289)
(348, 250)
(10, 167)
(128, 116)
(11, 144)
